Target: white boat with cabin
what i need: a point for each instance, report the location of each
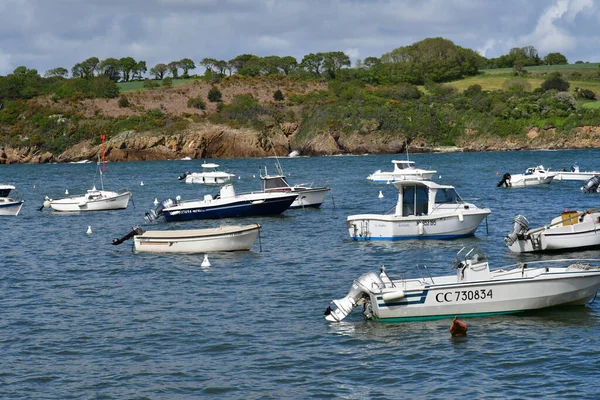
(403, 170)
(92, 200)
(571, 230)
(219, 239)
(474, 290)
(308, 195)
(424, 210)
(9, 205)
(532, 176)
(210, 175)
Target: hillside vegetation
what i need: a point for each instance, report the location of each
(407, 96)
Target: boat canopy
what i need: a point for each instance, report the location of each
(402, 164)
(5, 190)
(210, 165)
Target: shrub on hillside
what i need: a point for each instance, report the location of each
(555, 82)
(278, 96)
(585, 94)
(150, 84)
(214, 95)
(123, 101)
(167, 82)
(196, 102)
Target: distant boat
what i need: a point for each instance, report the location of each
(403, 170)
(210, 175)
(9, 205)
(575, 174)
(532, 176)
(308, 195)
(222, 238)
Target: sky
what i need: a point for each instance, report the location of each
(45, 34)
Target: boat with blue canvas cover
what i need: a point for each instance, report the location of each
(227, 204)
(424, 210)
(474, 290)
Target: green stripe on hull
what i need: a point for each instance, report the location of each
(434, 317)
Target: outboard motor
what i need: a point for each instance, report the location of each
(592, 186)
(505, 181)
(182, 177)
(135, 231)
(153, 215)
(358, 294)
(521, 225)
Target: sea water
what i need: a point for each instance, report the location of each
(83, 319)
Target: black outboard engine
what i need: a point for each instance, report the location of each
(153, 215)
(505, 181)
(135, 231)
(521, 225)
(182, 177)
(592, 186)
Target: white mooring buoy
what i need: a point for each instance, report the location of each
(142, 183)
(155, 201)
(380, 195)
(67, 191)
(89, 231)
(205, 262)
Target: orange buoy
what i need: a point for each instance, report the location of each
(458, 328)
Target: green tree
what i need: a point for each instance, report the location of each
(57, 72)
(186, 65)
(77, 71)
(313, 63)
(287, 64)
(333, 61)
(173, 66)
(111, 67)
(127, 66)
(159, 71)
(139, 70)
(555, 59)
(371, 62)
(90, 66)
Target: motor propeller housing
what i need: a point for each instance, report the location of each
(520, 226)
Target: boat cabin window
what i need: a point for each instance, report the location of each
(414, 200)
(275, 183)
(447, 196)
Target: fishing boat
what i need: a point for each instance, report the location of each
(532, 176)
(222, 238)
(9, 205)
(210, 175)
(308, 195)
(403, 170)
(570, 230)
(473, 290)
(424, 210)
(227, 204)
(575, 174)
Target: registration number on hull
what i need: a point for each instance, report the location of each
(463, 295)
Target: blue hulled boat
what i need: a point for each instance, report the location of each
(226, 204)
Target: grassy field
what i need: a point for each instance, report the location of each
(125, 87)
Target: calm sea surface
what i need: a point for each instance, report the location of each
(83, 319)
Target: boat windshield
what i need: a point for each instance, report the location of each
(447, 196)
(472, 255)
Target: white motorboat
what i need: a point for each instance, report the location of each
(403, 170)
(474, 290)
(9, 205)
(210, 175)
(92, 200)
(424, 210)
(570, 230)
(308, 195)
(227, 204)
(532, 176)
(575, 174)
(222, 238)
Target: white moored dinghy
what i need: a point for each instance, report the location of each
(222, 238)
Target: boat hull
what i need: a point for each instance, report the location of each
(224, 238)
(530, 180)
(241, 206)
(374, 227)
(581, 235)
(489, 297)
(114, 201)
(309, 197)
(575, 176)
(10, 206)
